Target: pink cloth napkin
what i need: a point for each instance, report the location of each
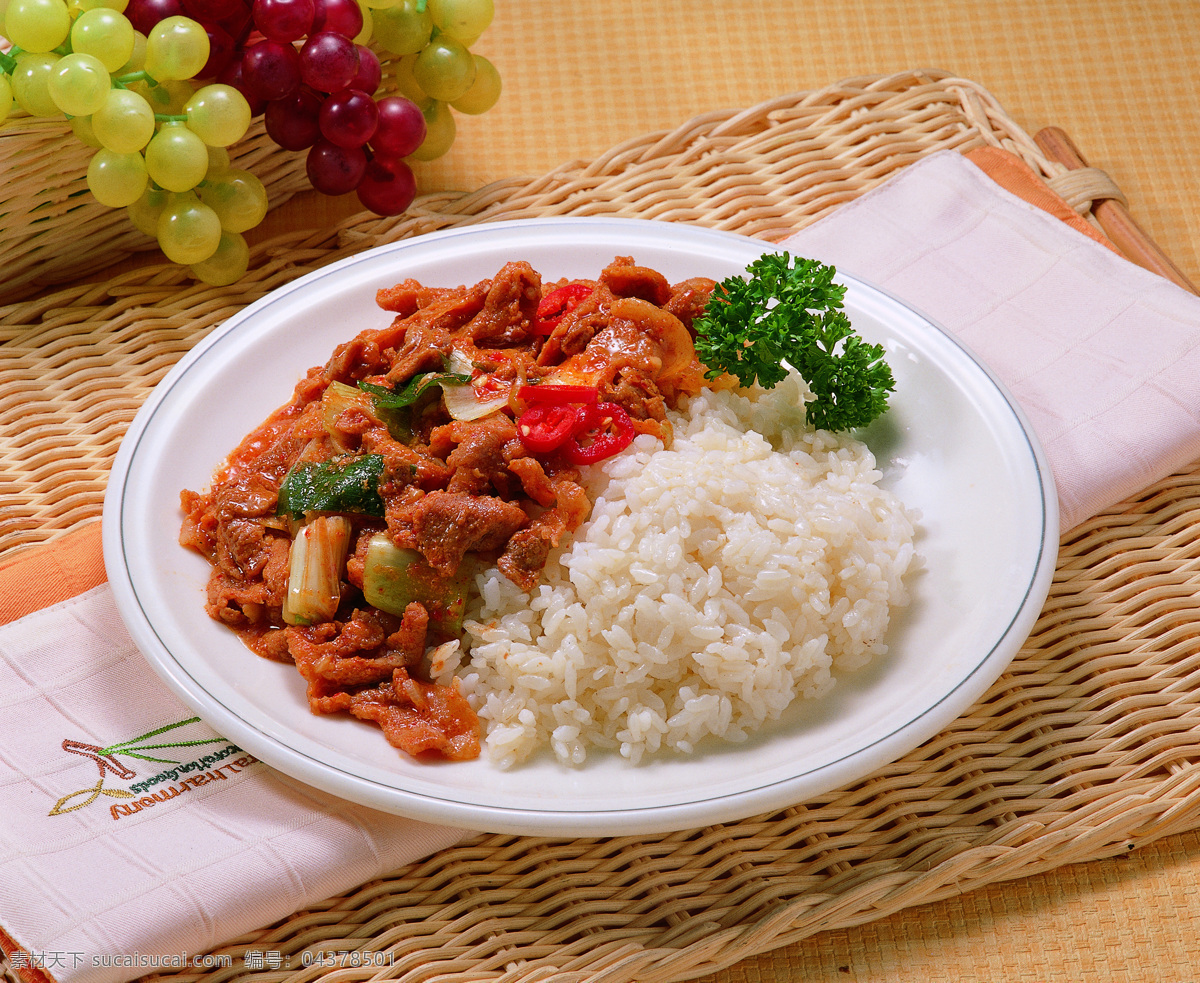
(133, 837)
(1103, 356)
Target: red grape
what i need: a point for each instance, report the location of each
(387, 188)
(335, 170)
(232, 74)
(401, 128)
(271, 69)
(348, 118)
(370, 72)
(144, 14)
(210, 11)
(328, 61)
(343, 17)
(284, 20)
(238, 22)
(220, 51)
(292, 122)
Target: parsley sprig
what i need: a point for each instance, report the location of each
(789, 312)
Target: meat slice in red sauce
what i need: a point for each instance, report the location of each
(689, 298)
(417, 717)
(448, 525)
(477, 454)
(359, 651)
(626, 279)
(525, 555)
(510, 310)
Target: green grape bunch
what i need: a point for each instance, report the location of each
(162, 88)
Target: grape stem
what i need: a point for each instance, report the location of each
(124, 81)
(421, 4)
(8, 62)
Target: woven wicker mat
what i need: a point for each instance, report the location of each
(1086, 747)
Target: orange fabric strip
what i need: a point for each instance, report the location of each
(36, 578)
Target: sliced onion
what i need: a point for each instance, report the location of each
(463, 400)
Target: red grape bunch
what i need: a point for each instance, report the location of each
(308, 69)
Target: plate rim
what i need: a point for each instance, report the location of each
(556, 821)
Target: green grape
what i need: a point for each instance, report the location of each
(218, 114)
(484, 91)
(227, 264)
(188, 230)
(218, 162)
(176, 158)
(440, 131)
(31, 83)
(137, 59)
(464, 20)
(117, 5)
(238, 198)
(125, 123)
(6, 97)
(406, 83)
(79, 84)
(144, 212)
(445, 69)
(176, 48)
(106, 34)
(85, 132)
(378, 4)
(168, 98)
(116, 180)
(37, 25)
(402, 29)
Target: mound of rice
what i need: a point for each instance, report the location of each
(714, 583)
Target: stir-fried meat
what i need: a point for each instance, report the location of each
(241, 601)
(626, 279)
(426, 348)
(578, 327)
(510, 310)
(534, 480)
(446, 525)
(450, 488)
(636, 392)
(404, 465)
(416, 717)
(525, 556)
(479, 459)
(689, 298)
(359, 651)
(404, 298)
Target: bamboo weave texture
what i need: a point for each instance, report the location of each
(1085, 748)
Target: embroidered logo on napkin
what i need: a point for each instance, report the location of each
(181, 776)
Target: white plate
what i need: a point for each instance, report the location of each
(953, 445)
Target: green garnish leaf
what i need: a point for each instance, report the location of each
(389, 399)
(789, 312)
(341, 484)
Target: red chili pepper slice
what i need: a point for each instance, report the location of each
(545, 427)
(554, 392)
(558, 303)
(607, 429)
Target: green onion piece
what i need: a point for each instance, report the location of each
(394, 577)
(315, 568)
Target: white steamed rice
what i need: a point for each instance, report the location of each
(714, 584)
